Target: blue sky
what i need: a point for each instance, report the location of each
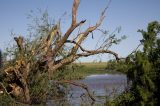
(130, 15)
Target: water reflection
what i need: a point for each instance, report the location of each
(100, 86)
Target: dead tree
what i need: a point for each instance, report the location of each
(47, 53)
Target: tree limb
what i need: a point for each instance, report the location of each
(51, 36)
(74, 42)
(72, 58)
(74, 25)
(93, 52)
(80, 85)
(74, 11)
(19, 41)
(84, 34)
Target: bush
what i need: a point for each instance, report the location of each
(144, 72)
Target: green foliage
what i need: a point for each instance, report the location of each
(67, 72)
(8, 101)
(143, 72)
(117, 67)
(5, 100)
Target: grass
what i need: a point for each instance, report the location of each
(92, 68)
(81, 70)
(76, 71)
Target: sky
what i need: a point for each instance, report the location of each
(130, 15)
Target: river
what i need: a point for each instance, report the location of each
(101, 86)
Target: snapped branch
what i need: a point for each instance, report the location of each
(19, 41)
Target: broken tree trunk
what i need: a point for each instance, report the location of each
(48, 53)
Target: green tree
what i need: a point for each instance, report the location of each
(144, 71)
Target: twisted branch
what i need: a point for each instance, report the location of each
(79, 85)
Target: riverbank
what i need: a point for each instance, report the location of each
(80, 70)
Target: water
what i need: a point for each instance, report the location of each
(100, 86)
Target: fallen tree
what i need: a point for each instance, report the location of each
(47, 53)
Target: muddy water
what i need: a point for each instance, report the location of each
(100, 86)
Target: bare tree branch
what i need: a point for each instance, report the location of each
(80, 85)
(71, 29)
(19, 41)
(54, 31)
(83, 35)
(65, 37)
(72, 58)
(93, 52)
(74, 11)
(74, 42)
